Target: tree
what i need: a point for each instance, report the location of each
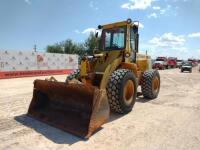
(70, 47)
(67, 47)
(73, 48)
(80, 49)
(55, 48)
(91, 43)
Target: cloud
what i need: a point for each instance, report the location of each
(86, 31)
(27, 1)
(77, 31)
(180, 52)
(93, 5)
(137, 4)
(163, 11)
(159, 11)
(168, 40)
(170, 45)
(153, 15)
(141, 25)
(194, 35)
(156, 8)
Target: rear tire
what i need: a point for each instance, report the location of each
(122, 91)
(150, 84)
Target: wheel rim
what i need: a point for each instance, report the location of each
(128, 91)
(155, 84)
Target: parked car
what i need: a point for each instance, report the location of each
(160, 63)
(186, 66)
(171, 62)
(179, 63)
(193, 61)
(199, 68)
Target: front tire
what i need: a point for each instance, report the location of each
(122, 91)
(150, 84)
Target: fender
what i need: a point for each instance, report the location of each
(130, 66)
(109, 70)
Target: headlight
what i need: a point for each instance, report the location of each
(127, 55)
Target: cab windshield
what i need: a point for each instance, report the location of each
(187, 64)
(159, 59)
(113, 39)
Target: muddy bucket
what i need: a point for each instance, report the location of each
(76, 108)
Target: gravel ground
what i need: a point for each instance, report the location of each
(170, 122)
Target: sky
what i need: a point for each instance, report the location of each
(167, 27)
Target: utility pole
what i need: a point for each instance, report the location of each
(35, 48)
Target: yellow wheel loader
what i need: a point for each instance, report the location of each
(109, 79)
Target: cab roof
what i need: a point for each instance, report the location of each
(118, 24)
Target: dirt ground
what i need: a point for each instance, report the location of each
(170, 122)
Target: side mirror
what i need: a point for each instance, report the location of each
(96, 34)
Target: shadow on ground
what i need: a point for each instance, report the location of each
(142, 100)
(58, 136)
(115, 116)
(53, 134)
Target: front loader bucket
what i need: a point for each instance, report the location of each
(77, 108)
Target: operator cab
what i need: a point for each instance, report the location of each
(120, 36)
